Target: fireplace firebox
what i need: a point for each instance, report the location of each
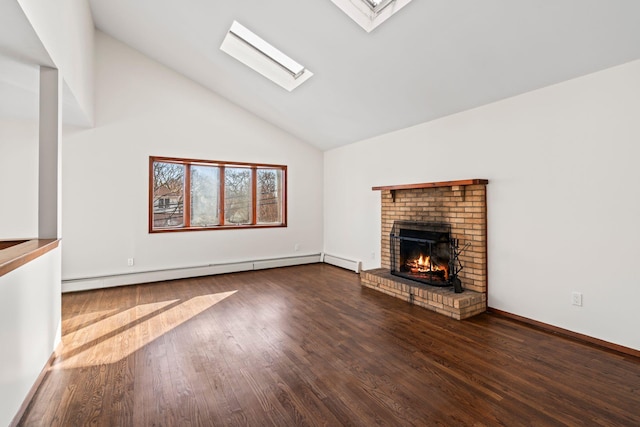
(425, 252)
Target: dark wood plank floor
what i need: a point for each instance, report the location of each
(308, 346)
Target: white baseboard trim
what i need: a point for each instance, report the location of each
(99, 282)
(345, 263)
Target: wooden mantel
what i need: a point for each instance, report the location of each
(459, 183)
(433, 184)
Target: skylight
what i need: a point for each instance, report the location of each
(256, 53)
(376, 5)
(370, 13)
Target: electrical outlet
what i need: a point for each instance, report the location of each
(130, 262)
(373, 255)
(576, 299)
(296, 247)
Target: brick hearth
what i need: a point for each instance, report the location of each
(442, 300)
(462, 204)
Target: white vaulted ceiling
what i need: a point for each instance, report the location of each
(431, 59)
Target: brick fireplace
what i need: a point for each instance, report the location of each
(462, 205)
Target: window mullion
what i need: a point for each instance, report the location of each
(254, 197)
(221, 198)
(187, 196)
(281, 186)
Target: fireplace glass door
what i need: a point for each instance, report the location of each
(423, 251)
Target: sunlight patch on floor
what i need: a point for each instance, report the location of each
(115, 337)
(75, 323)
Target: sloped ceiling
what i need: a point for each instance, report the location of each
(21, 54)
(432, 59)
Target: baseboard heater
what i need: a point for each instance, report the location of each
(99, 282)
(345, 263)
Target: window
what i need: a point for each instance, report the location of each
(188, 194)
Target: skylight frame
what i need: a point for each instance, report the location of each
(258, 54)
(377, 6)
(369, 14)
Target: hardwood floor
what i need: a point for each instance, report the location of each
(308, 346)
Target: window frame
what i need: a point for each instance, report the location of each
(187, 163)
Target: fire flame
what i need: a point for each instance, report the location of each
(424, 265)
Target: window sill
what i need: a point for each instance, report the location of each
(218, 227)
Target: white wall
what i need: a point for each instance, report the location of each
(563, 202)
(30, 319)
(144, 109)
(65, 28)
(19, 175)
